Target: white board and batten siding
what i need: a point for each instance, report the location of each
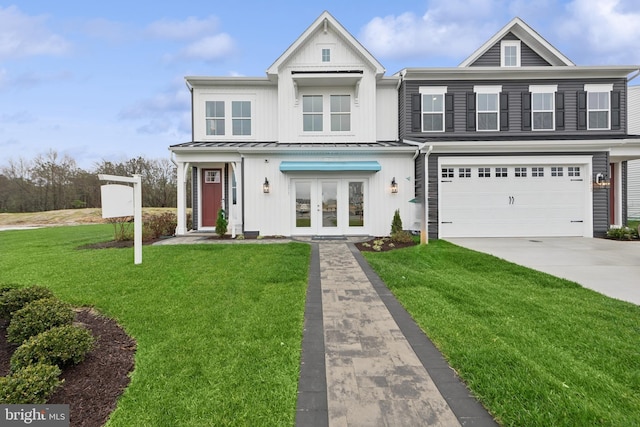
(633, 166)
(276, 215)
(506, 197)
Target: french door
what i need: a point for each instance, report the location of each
(329, 206)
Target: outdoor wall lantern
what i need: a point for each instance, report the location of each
(601, 180)
(394, 185)
(265, 185)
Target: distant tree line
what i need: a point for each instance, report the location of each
(51, 182)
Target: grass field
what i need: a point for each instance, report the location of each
(537, 350)
(218, 327)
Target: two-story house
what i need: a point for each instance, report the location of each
(519, 141)
(516, 141)
(312, 148)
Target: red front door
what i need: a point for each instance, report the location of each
(211, 196)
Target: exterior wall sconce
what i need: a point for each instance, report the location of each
(601, 180)
(394, 185)
(265, 185)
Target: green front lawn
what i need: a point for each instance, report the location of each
(219, 327)
(536, 350)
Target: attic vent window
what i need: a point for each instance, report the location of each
(510, 53)
(326, 55)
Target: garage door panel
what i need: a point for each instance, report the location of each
(520, 204)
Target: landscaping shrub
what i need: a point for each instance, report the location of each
(163, 224)
(36, 317)
(30, 385)
(14, 299)
(58, 346)
(401, 237)
(221, 224)
(622, 233)
(396, 223)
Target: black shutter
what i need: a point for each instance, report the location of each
(471, 111)
(504, 111)
(615, 110)
(526, 111)
(582, 110)
(559, 110)
(448, 112)
(416, 112)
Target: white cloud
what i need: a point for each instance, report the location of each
(23, 35)
(209, 48)
(604, 30)
(188, 29)
(451, 29)
(104, 29)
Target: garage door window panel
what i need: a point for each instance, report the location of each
(557, 171)
(484, 172)
(537, 172)
(501, 173)
(464, 173)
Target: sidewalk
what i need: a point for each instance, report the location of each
(379, 368)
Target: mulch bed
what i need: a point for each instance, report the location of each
(387, 245)
(91, 388)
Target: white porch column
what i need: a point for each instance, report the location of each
(617, 195)
(181, 227)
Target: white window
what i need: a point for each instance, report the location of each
(487, 107)
(214, 117)
(464, 173)
(598, 105)
(447, 172)
(228, 117)
(501, 172)
(537, 172)
(557, 171)
(433, 108)
(510, 53)
(521, 172)
(340, 113)
(543, 106)
(484, 172)
(573, 171)
(326, 55)
(241, 117)
(312, 113)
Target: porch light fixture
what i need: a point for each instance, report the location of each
(265, 185)
(601, 180)
(394, 185)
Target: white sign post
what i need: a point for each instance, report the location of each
(124, 200)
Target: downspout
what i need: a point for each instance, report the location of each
(242, 179)
(424, 229)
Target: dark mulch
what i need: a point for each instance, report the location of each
(115, 244)
(91, 388)
(387, 245)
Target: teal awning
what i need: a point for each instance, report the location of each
(371, 166)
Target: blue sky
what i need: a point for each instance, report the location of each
(105, 80)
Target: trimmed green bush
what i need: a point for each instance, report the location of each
(221, 223)
(36, 317)
(396, 223)
(401, 237)
(14, 299)
(60, 346)
(30, 385)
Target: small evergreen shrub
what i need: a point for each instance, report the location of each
(30, 385)
(401, 237)
(396, 223)
(60, 346)
(221, 224)
(36, 317)
(622, 233)
(14, 299)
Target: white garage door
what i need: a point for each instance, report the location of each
(516, 199)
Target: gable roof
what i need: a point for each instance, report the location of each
(530, 37)
(324, 21)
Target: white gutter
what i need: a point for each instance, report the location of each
(424, 224)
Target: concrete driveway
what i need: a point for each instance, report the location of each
(606, 266)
